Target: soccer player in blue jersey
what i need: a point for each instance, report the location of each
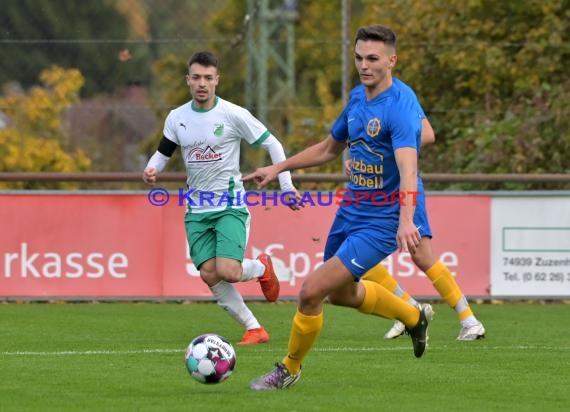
(424, 258)
(382, 127)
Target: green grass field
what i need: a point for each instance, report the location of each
(129, 357)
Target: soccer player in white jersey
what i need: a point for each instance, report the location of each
(209, 131)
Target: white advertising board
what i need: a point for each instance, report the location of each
(530, 246)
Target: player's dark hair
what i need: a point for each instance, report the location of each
(203, 58)
(377, 32)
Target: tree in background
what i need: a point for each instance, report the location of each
(493, 77)
(87, 35)
(35, 138)
(306, 118)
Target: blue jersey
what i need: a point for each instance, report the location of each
(359, 90)
(374, 130)
(363, 235)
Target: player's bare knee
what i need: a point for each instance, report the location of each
(229, 273)
(339, 301)
(209, 277)
(335, 299)
(423, 260)
(310, 296)
(346, 296)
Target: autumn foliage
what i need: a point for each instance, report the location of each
(35, 139)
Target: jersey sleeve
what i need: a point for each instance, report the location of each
(406, 123)
(339, 130)
(248, 126)
(412, 95)
(421, 112)
(169, 130)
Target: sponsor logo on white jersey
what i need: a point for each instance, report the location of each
(219, 129)
(199, 155)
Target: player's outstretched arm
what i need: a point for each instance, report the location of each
(314, 155)
(149, 175)
(277, 154)
(348, 167)
(408, 237)
(158, 161)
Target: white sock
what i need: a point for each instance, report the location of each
(229, 299)
(413, 302)
(252, 269)
(400, 292)
(469, 321)
(460, 307)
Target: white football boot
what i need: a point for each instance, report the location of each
(469, 333)
(398, 328)
(395, 331)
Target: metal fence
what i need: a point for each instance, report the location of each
(101, 177)
(125, 48)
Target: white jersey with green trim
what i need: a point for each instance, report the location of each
(210, 143)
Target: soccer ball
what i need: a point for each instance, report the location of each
(210, 358)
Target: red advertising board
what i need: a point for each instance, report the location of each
(119, 245)
(79, 245)
(461, 239)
